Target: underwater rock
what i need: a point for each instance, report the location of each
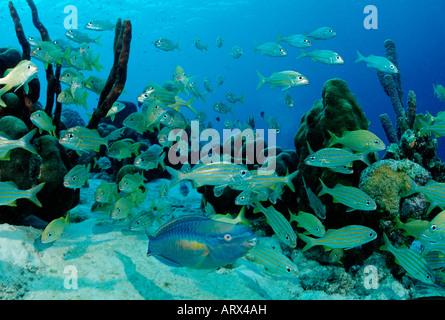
(9, 58)
(26, 170)
(71, 118)
(387, 183)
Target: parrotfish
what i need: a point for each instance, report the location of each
(195, 241)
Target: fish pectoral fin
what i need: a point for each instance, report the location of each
(166, 261)
(219, 190)
(204, 257)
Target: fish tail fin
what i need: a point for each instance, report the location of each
(280, 37)
(241, 217)
(303, 53)
(95, 162)
(430, 116)
(413, 187)
(292, 217)
(96, 41)
(32, 194)
(324, 188)
(360, 57)
(26, 139)
(262, 80)
(398, 224)
(364, 157)
(176, 176)
(308, 240)
(334, 139)
(241, 99)
(255, 46)
(96, 63)
(387, 244)
(289, 180)
(67, 218)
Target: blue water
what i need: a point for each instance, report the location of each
(416, 28)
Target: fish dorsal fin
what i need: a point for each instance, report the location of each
(191, 217)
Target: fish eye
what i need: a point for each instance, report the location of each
(371, 234)
(49, 234)
(376, 141)
(38, 48)
(300, 78)
(330, 30)
(337, 57)
(312, 158)
(71, 135)
(368, 203)
(277, 130)
(73, 178)
(242, 198)
(317, 228)
(227, 237)
(29, 66)
(288, 269)
(243, 172)
(287, 237)
(433, 227)
(306, 40)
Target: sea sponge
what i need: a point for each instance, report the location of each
(386, 181)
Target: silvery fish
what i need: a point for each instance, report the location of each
(105, 207)
(77, 177)
(324, 56)
(274, 263)
(82, 139)
(99, 25)
(143, 220)
(54, 229)
(136, 121)
(358, 140)
(34, 40)
(19, 76)
(164, 189)
(103, 163)
(280, 225)
(9, 193)
(415, 266)
(7, 144)
(68, 75)
(174, 119)
(166, 44)
(322, 33)
(122, 208)
(309, 222)
(96, 84)
(288, 100)
(200, 45)
(377, 62)
(220, 80)
(198, 242)
(78, 36)
(235, 53)
(271, 49)
(314, 202)
(295, 40)
(221, 107)
(286, 79)
(439, 92)
(232, 98)
(352, 197)
(215, 173)
(48, 53)
(345, 238)
(42, 121)
(219, 42)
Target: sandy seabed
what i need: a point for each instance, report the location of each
(99, 258)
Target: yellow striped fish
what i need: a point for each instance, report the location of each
(345, 238)
(215, 174)
(164, 188)
(414, 265)
(434, 193)
(324, 56)
(19, 76)
(435, 230)
(123, 148)
(315, 203)
(334, 157)
(9, 193)
(353, 198)
(42, 121)
(309, 222)
(174, 119)
(273, 262)
(258, 181)
(7, 144)
(106, 192)
(130, 182)
(358, 140)
(286, 79)
(122, 208)
(142, 220)
(54, 229)
(412, 227)
(136, 121)
(82, 139)
(77, 177)
(279, 224)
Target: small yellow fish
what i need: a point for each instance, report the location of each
(130, 182)
(309, 222)
(164, 188)
(358, 140)
(124, 148)
(106, 192)
(54, 229)
(42, 121)
(412, 227)
(77, 177)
